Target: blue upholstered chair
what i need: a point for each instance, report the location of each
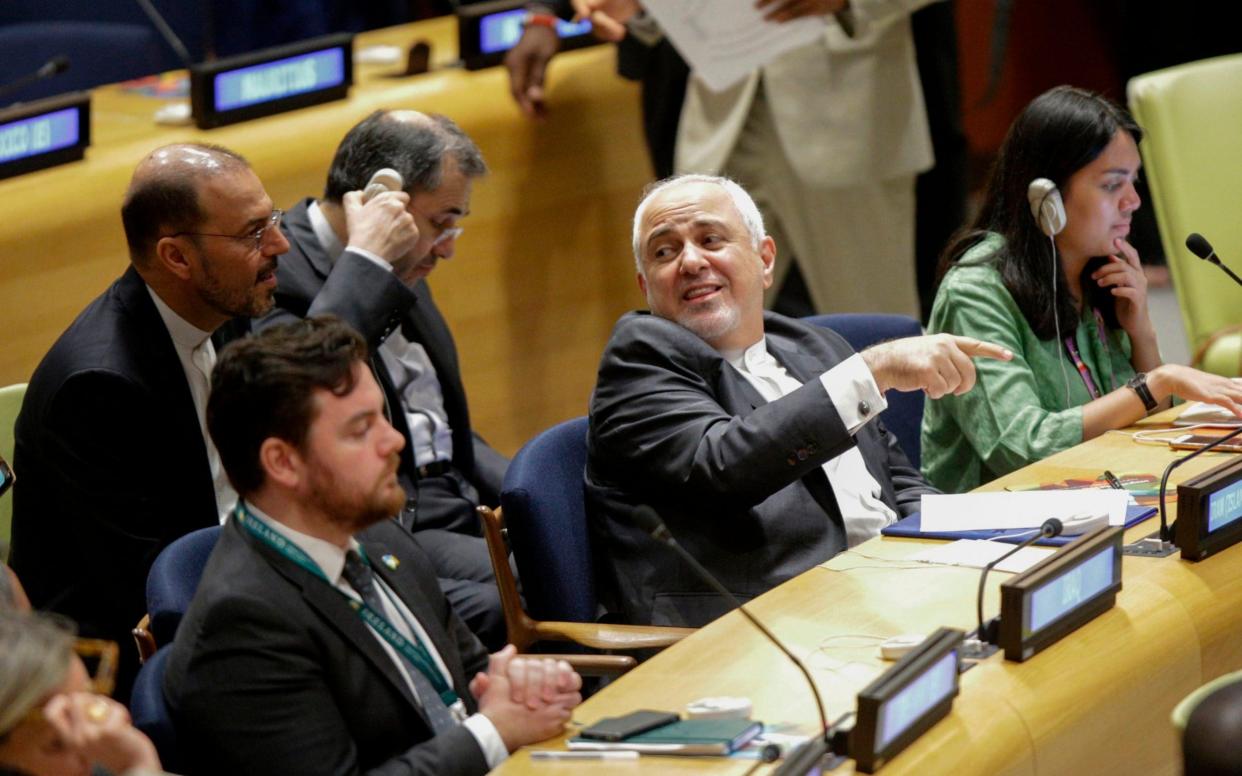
(904, 416)
(171, 584)
(150, 712)
(543, 511)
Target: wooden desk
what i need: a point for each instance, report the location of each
(542, 271)
(1096, 702)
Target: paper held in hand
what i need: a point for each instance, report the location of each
(1007, 510)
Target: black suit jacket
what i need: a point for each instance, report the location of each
(736, 479)
(375, 302)
(273, 672)
(112, 466)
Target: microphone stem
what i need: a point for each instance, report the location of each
(983, 578)
(1165, 534)
(710, 578)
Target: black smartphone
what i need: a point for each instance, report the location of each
(621, 728)
(6, 476)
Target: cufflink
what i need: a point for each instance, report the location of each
(864, 408)
(391, 561)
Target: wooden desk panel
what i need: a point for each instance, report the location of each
(542, 271)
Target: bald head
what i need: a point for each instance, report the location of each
(163, 195)
(412, 143)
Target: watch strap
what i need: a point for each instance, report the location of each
(1139, 385)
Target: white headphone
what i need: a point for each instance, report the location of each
(1046, 206)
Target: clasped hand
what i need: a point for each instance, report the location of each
(527, 698)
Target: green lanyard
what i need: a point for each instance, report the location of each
(413, 651)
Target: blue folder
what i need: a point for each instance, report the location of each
(911, 528)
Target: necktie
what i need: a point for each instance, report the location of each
(359, 576)
(204, 359)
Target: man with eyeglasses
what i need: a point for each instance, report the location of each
(115, 461)
(366, 261)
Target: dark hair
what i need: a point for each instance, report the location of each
(416, 149)
(1059, 133)
(263, 386)
(166, 200)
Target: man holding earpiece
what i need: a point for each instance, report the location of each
(365, 259)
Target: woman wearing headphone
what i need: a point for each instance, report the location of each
(1046, 271)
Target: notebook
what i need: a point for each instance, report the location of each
(687, 736)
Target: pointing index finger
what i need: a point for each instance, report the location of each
(975, 348)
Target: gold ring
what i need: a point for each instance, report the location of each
(97, 711)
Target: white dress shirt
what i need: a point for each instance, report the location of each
(409, 367)
(848, 385)
(331, 561)
(198, 357)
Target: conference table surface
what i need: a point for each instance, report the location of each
(1096, 702)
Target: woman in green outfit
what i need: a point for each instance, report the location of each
(1085, 354)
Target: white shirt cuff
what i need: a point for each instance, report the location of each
(489, 739)
(374, 257)
(852, 390)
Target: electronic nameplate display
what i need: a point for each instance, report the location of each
(486, 31)
(899, 706)
(1209, 511)
(44, 133)
(271, 81)
(1060, 594)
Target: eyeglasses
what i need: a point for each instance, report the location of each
(256, 237)
(446, 233)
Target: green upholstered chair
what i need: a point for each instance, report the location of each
(1191, 116)
(10, 403)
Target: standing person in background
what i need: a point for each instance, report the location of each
(1063, 289)
(827, 138)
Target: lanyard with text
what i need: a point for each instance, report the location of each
(413, 651)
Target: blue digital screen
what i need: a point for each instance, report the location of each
(39, 134)
(1225, 506)
(501, 31)
(280, 78)
(916, 699)
(1063, 594)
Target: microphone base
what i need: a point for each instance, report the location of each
(974, 650)
(1150, 547)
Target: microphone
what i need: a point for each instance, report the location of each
(817, 746)
(1051, 527)
(1165, 533)
(49, 69)
(166, 32)
(1200, 247)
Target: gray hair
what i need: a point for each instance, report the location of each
(35, 651)
(746, 207)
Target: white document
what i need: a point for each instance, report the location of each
(725, 40)
(1025, 509)
(978, 553)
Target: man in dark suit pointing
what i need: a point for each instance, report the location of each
(753, 435)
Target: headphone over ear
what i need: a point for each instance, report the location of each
(1046, 206)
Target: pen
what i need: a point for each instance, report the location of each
(1113, 482)
(554, 754)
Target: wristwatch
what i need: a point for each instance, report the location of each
(1139, 384)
